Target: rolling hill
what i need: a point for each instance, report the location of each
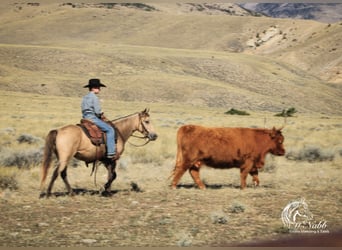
(168, 54)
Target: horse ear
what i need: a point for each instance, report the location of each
(146, 110)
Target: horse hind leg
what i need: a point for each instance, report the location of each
(62, 170)
(53, 178)
(65, 180)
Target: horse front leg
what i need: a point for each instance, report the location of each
(110, 165)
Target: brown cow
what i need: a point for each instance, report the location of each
(243, 148)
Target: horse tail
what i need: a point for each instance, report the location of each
(50, 147)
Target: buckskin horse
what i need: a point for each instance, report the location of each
(71, 141)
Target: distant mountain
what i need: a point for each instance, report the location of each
(322, 12)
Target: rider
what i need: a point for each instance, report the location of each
(91, 110)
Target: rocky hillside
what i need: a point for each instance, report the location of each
(322, 12)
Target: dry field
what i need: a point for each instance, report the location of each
(187, 68)
(143, 210)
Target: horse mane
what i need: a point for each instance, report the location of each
(128, 116)
(124, 117)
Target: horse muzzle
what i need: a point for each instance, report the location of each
(152, 136)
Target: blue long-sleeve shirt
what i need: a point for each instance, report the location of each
(91, 105)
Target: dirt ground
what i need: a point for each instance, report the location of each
(144, 211)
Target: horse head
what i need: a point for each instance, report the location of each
(145, 126)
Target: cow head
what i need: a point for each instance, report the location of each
(277, 138)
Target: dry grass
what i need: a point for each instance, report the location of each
(143, 210)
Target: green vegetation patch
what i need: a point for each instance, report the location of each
(287, 113)
(233, 111)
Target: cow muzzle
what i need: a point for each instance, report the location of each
(279, 152)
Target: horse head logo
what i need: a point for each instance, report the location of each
(296, 213)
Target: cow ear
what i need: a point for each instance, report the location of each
(273, 132)
(279, 129)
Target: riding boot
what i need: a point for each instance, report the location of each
(114, 157)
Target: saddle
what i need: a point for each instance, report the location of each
(94, 133)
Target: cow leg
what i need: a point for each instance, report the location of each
(194, 172)
(254, 174)
(178, 173)
(244, 170)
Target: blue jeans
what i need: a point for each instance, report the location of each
(110, 133)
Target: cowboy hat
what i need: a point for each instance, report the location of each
(94, 83)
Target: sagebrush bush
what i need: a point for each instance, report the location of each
(237, 208)
(218, 217)
(8, 182)
(21, 159)
(30, 139)
(311, 153)
(8, 179)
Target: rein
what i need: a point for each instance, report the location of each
(139, 137)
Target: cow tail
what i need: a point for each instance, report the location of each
(49, 149)
(179, 156)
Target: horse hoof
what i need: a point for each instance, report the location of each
(44, 195)
(106, 193)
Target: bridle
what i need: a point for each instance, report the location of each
(144, 130)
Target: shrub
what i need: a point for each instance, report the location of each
(8, 182)
(218, 217)
(311, 153)
(21, 158)
(8, 179)
(287, 113)
(30, 139)
(233, 111)
(237, 208)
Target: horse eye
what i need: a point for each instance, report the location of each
(147, 122)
